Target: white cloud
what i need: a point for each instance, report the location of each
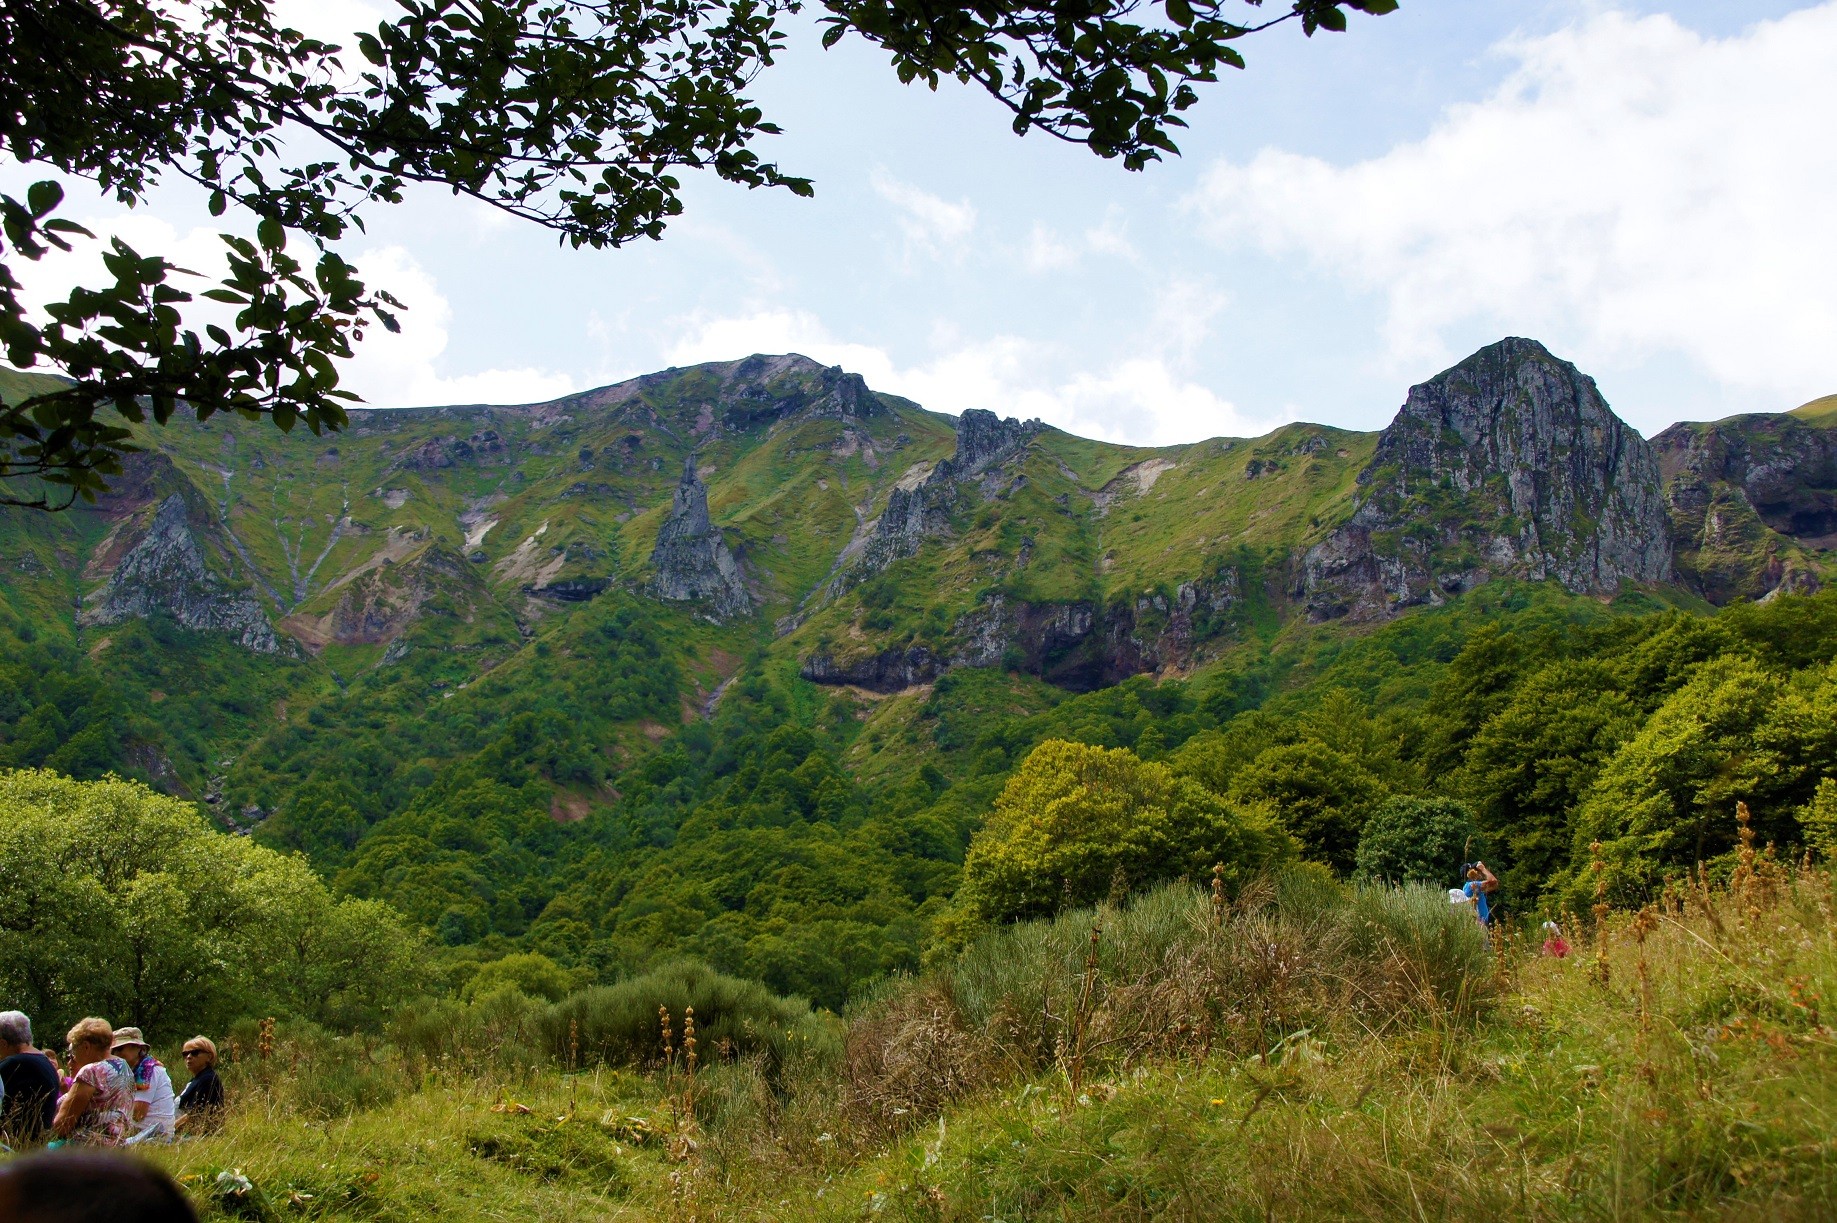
(1047, 251)
(1140, 400)
(405, 370)
(1631, 190)
(932, 225)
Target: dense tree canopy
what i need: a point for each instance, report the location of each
(788, 840)
(121, 902)
(575, 115)
(1074, 822)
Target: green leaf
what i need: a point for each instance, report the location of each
(271, 234)
(1180, 13)
(43, 196)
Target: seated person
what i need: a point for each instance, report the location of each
(29, 1084)
(154, 1109)
(201, 1103)
(99, 1107)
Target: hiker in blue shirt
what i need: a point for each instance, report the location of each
(1480, 886)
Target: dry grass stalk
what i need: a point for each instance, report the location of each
(1084, 1007)
(1599, 866)
(688, 1044)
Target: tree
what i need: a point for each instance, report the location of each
(122, 902)
(1529, 767)
(575, 115)
(1735, 733)
(1416, 840)
(1073, 818)
(1321, 796)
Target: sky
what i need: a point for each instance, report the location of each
(1646, 187)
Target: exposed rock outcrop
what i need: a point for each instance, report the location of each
(692, 560)
(882, 671)
(921, 503)
(166, 571)
(381, 601)
(1076, 644)
(483, 448)
(1753, 503)
(1510, 464)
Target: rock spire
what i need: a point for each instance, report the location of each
(692, 560)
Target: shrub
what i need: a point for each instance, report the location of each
(1433, 955)
(618, 1024)
(1297, 959)
(529, 973)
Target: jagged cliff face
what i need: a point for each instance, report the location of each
(921, 505)
(468, 528)
(1753, 504)
(1510, 464)
(169, 556)
(692, 560)
(1008, 478)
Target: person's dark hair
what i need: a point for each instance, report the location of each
(68, 1187)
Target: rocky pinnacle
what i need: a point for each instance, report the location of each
(692, 560)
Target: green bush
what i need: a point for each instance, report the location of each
(1074, 821)
(532, 974)
(619, 1024)
(1416, 840)
(1438, 949)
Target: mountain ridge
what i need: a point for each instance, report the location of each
(1065, 549)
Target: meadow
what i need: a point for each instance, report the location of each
(1302, 1049)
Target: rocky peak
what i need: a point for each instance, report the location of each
(167, 571)
(984, 439)
(1510, 464)
(692, 560)
(920, 505)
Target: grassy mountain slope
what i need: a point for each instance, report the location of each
(478, 708)
(1821, 411)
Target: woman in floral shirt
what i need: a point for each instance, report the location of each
(98, 1108)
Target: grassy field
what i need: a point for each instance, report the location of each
(1304, 1051)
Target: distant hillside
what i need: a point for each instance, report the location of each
(737, 656)
(773, 504)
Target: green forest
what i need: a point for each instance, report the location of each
(792, 840)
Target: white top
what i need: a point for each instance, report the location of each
(162, 1108)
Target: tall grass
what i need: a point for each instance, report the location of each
(1296, 958)
(1305, 1051)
